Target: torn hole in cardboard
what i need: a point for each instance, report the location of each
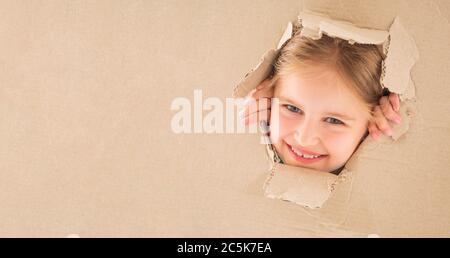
(311, 188)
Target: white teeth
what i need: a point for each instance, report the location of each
(306, 156)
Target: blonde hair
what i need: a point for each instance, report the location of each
(359, 65)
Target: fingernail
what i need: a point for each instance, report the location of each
(263, 125)
(398, 120)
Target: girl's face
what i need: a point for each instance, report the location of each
(317, 115)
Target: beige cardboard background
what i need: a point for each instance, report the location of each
(86, 146)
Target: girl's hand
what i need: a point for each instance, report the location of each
(257, 104)
(387, 110)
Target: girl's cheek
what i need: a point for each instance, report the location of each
(282, 126)
(338, 143)
(288, 125)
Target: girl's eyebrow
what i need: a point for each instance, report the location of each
(342, 116)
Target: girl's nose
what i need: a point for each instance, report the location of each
(306, 134)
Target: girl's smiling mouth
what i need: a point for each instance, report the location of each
(304, 156)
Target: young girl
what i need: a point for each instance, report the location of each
(329, 99)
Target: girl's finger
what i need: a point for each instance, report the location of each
(264, 84)
(388, 112)
(256, 117)
(255, 106)
(373, 131)
(250, 94)
(249, 100)
(381, 122)
(395, 101)
(264, 92)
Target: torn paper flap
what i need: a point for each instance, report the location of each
(314, 25)
(263, 69)
(401, 57)
(303, 186)
(256, 75)
(407, 111)
(410, 91)
(286, 35)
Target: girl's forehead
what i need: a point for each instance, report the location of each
(321, 83)
(323, 91)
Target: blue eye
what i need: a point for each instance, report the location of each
(297, 110)
(293, 109)
(335, 121)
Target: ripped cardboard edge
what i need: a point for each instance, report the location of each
(401, 56)
(312, 188)
(290, 185)
(264, 68)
